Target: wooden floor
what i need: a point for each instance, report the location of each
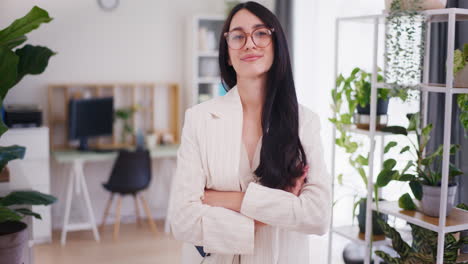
(136, 245)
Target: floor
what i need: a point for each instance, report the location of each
(136, 245)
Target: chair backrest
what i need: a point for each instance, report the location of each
(131, 171)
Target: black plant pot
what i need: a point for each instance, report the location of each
(376, 229)
(382, 108)
(13, 240)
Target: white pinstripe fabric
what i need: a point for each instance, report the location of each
(212, 156)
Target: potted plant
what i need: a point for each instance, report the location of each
(355, 90)
(423, 249)
(460, 67)
(125, 114)
(14, 65)
(423, 174)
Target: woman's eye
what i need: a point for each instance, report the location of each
(237, 37)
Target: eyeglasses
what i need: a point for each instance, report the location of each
(261, 37)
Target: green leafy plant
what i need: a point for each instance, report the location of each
(423, 249)
(16, 199)
(404, 44)
(15, 63)
(125, 114)
(460, 59)
(423, 169)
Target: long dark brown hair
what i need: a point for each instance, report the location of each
(282, 157)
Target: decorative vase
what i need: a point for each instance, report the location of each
(430, 203)
(461, 78)
(13, 240)
(382, 108)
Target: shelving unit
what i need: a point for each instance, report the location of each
(203, 80)
(458, 219)
(152, 99)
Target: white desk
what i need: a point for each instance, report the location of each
(77, 182)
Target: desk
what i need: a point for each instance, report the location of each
(77, 182)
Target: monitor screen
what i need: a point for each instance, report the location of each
(90, 117)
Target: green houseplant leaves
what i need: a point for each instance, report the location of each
(14, 65)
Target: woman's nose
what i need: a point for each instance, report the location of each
(249, 44)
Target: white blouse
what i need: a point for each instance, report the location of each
(205, 160)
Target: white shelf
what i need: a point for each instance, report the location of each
(354, 129)
(431, 87)
(352, 233)
(435, 15)
(456, 221)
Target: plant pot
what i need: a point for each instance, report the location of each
(363, 121)
(424, 4)
(461, 78)
(464, 248)
(430, 203)
(13, 240)
(382, 108)
(376, 229)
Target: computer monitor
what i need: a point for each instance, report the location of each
(90, 117)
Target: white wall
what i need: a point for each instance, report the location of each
(140, 41)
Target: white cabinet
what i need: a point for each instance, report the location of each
(203, 77)
(32, 172)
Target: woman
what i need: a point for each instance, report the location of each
(242, 187)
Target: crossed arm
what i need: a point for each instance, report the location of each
(233, 200)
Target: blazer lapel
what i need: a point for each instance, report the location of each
(224, 137)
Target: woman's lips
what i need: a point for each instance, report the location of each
(251, 58)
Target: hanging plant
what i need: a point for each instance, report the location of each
(404, 45)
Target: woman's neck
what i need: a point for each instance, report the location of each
(252, 94)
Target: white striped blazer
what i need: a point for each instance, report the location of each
(209, 157)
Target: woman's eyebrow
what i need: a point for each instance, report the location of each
(254, 26)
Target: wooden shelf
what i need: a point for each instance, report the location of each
(352, 233)
(457, 221)
(125, 94)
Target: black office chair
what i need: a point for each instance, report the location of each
(130, 175)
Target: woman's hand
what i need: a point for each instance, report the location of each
(296, 190)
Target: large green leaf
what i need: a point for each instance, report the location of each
(33, 60)
(16, 42)
(27, 198)
(8, 69)
(405, 202)
(6, 214)
(384, 177)
(416, 188)
(10, 153)
(24, 25)
(26, 211)
(398, 130)
(390, 145)
(389, 164)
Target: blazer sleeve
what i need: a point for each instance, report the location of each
(310, 211)
(217, 229)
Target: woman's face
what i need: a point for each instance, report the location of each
(250, 61)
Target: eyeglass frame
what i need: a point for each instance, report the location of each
(247, 35)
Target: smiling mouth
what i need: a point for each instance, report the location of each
(251, 58)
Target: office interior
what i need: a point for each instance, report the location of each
(117, 88)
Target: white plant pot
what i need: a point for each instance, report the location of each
(461, 78)
(425, 4)
(430, 203)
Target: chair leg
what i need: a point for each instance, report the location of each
(135, 198)
(117, 219)
(148, 215)
(106, 211)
